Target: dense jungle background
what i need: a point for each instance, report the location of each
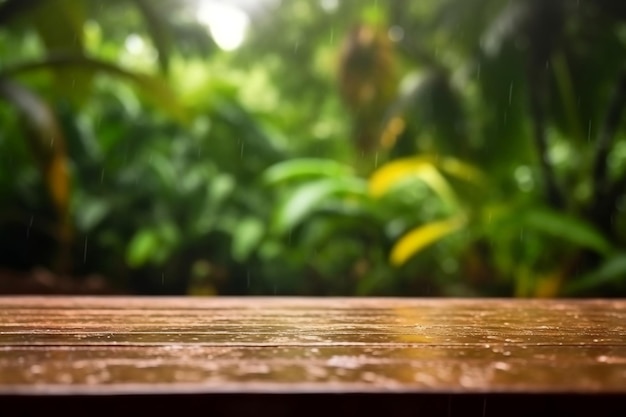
(313, 147)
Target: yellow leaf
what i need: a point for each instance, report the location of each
(390, 175)
(423, 236)
(426, 168)
(387, 176)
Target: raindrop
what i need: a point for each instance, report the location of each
(376, 160)
(102, 176)
(36, 369)
(85, 251)
(30, 224)
(510, 93)
(241, 151)
(589, 132)
(478, 72)
(345, 362)
(332, 36)
(248, 278)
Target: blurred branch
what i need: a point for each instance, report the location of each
(48, 144)
(151, 86)
(157, 27)
(56, 60)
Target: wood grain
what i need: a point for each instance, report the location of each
(117, 345)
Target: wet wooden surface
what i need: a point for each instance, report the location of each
(59, 346)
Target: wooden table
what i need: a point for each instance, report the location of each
(291, 356)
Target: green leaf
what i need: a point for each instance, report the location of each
(307, 198)
(91, 212)
(218, 192)
(461, 170)
(568, 96)
(153, 244)
(164, 170)
(142, 247)
(423, 236)
(566, 227)
(305, 168)
(246, 237)
(612, 270)
(221, 188)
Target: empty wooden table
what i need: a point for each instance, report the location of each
(292, 356)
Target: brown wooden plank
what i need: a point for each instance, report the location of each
(215, 345)
(192, 369)
(298, 322)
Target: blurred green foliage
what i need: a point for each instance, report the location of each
(453, 148)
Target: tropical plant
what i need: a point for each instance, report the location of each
(451, 147)
(506, 90)
(526, 97)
